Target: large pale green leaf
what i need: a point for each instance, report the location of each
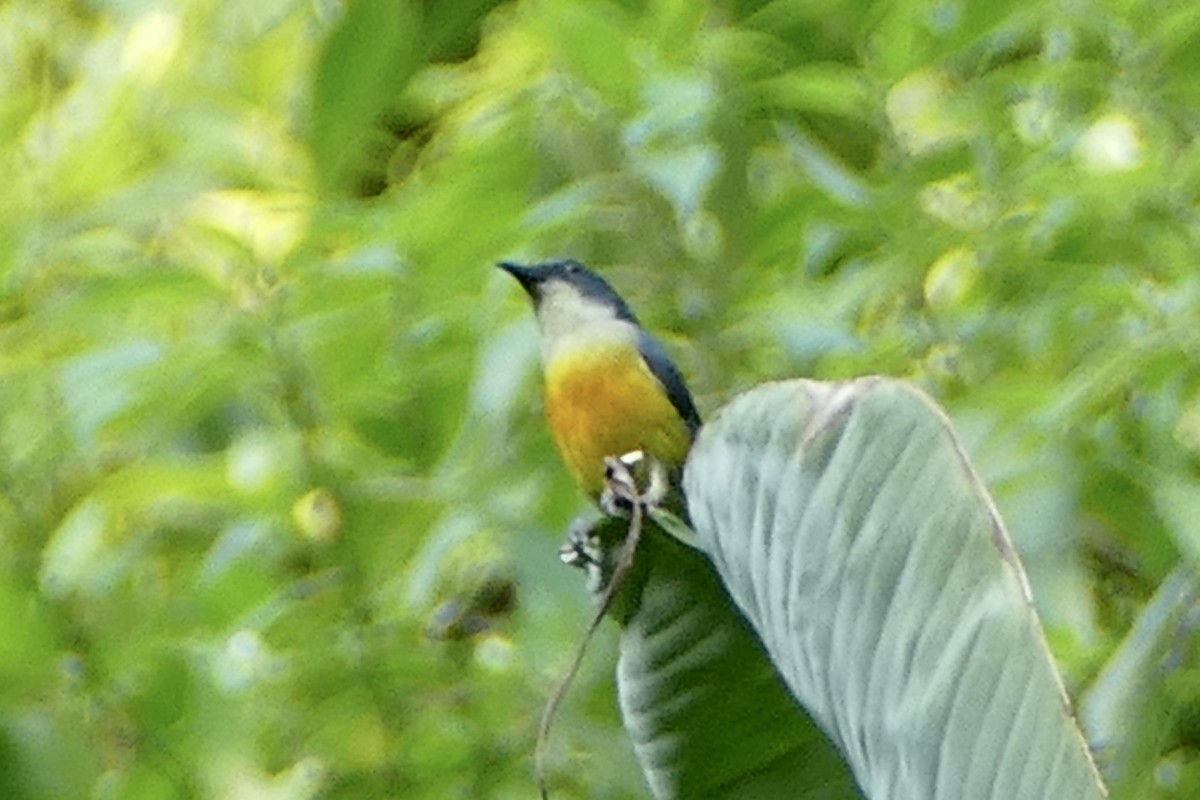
(708, 715)
(847, 524)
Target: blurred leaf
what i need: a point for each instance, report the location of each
(374, 50)
(27, 649)
(1178, 501)
(42, 756)
(823, 88)
(96, 387)
(592, 40)
(1131, 684)
(837, 181)
(80, 556)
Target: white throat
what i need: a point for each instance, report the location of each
(569, 320)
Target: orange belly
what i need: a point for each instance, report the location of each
(608, 403)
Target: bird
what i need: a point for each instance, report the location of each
(610, 387)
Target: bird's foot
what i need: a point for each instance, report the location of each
(633, 478)
(583, 548)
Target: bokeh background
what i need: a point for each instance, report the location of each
(278, 511)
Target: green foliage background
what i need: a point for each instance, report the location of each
(278, 513)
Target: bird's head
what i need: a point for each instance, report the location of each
(568, 296)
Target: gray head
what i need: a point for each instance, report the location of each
(577, 310)
(567, 289)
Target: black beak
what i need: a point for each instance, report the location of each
(528, 277)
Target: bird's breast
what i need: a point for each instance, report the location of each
(604, 401)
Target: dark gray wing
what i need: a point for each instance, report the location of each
(660, 364)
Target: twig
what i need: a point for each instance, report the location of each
(625, 491)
